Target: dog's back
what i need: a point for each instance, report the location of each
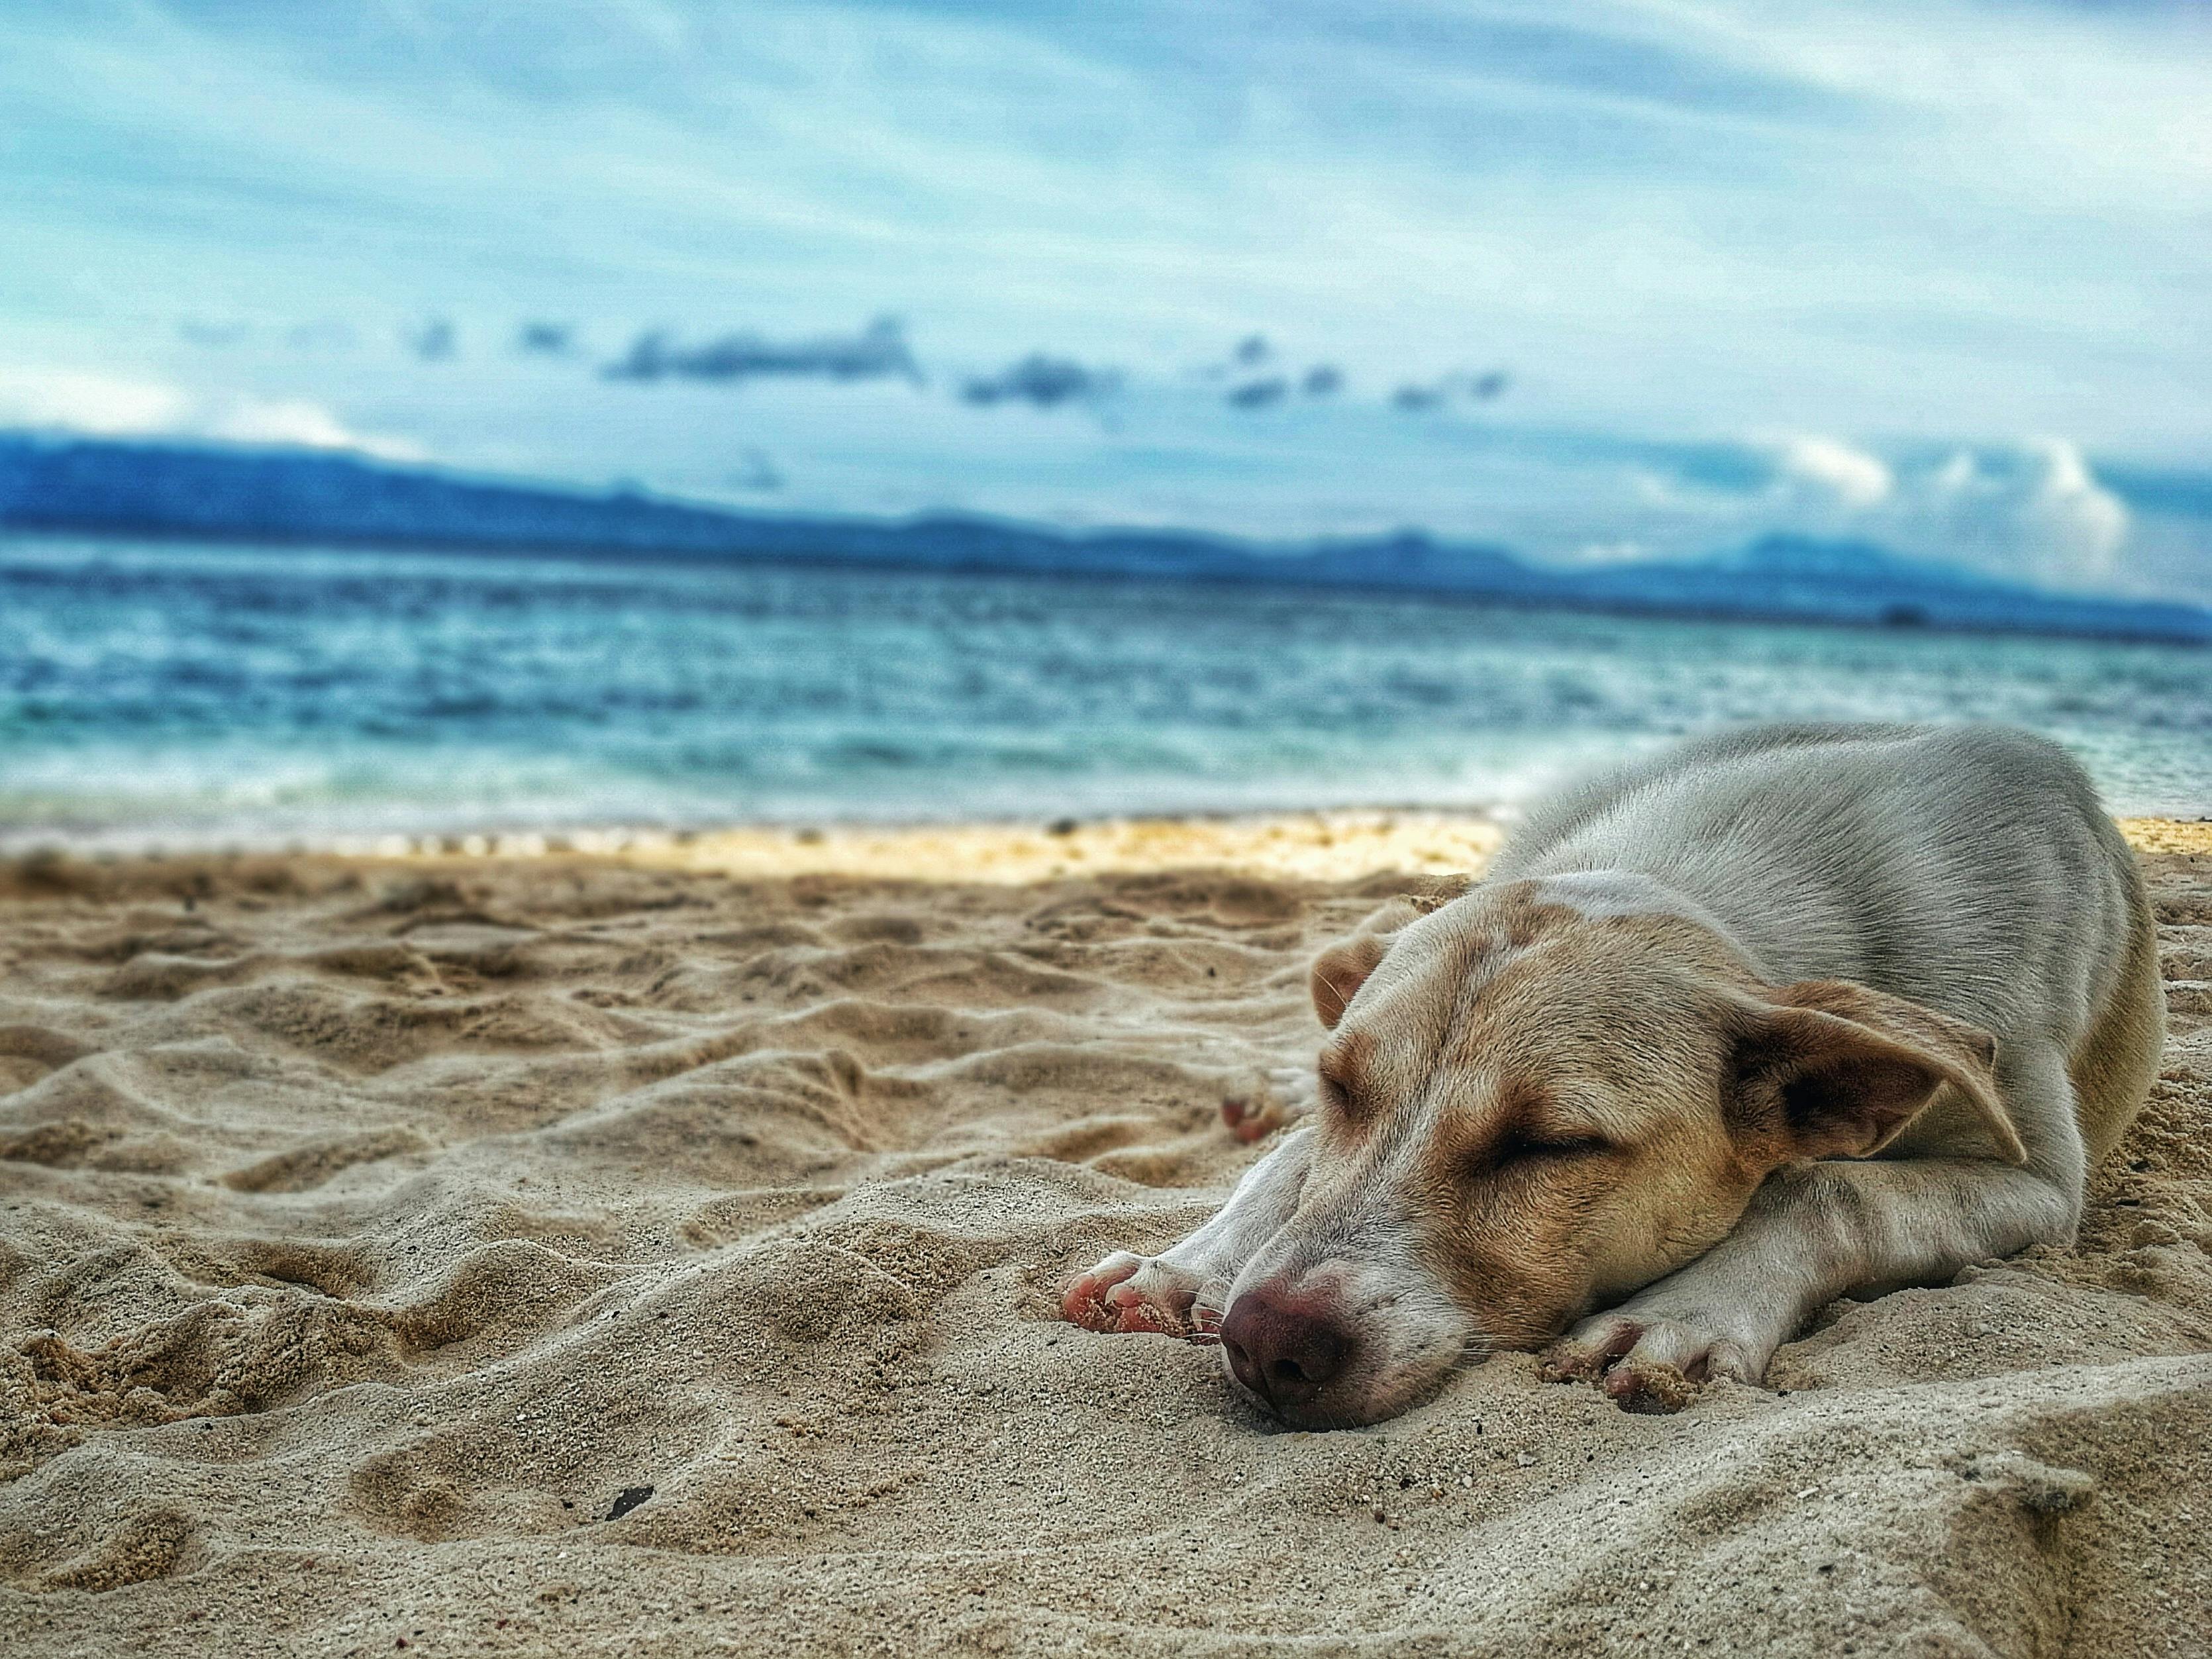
(1971, 869)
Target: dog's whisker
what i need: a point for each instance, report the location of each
(1474, 1351)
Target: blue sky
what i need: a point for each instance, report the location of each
(1594, 282)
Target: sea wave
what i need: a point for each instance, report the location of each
(179, 696)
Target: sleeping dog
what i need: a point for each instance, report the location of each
(1785, 1015)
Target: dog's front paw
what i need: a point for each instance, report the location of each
(1650, 1361)
(1280, 1095)
(1132, 1292)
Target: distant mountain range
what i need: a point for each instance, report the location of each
(179, 491)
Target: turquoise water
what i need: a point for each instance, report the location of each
(193, 695)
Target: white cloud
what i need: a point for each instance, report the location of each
(1615, 552)
(105, 405)
(2033, 511)
(1835, 472)
(298, 422)
(95, 404)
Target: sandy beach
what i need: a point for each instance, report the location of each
(656, 1250)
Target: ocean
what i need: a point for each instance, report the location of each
(177, 695)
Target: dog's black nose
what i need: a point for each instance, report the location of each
(1283, 1353)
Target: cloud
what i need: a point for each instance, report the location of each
(1421, 396)
(1043, 381)
(2036, 510)
(109, 406)
(544, 339)
(97, 404)
(194, 331)
(2033, 511)
(1266, 391)
(435, 342)
(1259, 394)
(292, 422)
(1827, 467)
(1249, 357)
(879, 351)
(321, 334)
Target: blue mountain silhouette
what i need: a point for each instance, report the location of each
(157, 490)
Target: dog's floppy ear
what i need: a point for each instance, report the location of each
(1830, 1069)
(1341, 970)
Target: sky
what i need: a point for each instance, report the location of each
(1614, 281)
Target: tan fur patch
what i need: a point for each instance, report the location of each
(1574, 1144)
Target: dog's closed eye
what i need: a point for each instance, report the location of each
(1527, 1147)
(1342, 1065)
(1339, 1096)
(1563, 1145)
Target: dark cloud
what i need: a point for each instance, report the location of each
(1045, 382)
(877, 352)
(1419, 398)
(545, 339)
(1248, 357)
(196, 332)
(1259, 394)
(1260, 379)
(435, 342)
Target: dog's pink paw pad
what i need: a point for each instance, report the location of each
(1152, 1309)
(1086, 1302)
(1151, 1319)
(1251, 1117)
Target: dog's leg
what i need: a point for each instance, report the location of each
(1816, 1231)
(1178, 1291)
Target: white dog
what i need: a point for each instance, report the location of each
(1784, 1015)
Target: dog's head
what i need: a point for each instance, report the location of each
(1535, 1100)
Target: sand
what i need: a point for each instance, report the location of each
(658, 1253)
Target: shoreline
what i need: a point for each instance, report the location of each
(1328, 845)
